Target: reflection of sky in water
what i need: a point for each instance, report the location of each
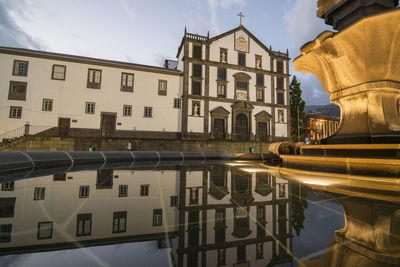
(131, 254)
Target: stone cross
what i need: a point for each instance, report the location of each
(241, 16)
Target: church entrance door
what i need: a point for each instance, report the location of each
(63, 126)
(219, 129)
(108, 125)
(241, 127)
(262, 131)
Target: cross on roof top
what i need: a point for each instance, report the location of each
(241, 16)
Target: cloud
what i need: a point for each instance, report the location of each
(303, 26)
(10, 33)
(130, 12)
(213, 6)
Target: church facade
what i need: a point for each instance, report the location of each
(227, 87)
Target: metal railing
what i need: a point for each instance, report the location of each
(27, 129)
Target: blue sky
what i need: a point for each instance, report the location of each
(149, 31)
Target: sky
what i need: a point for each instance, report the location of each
(148, 31)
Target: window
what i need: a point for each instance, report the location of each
(89, 107)
(219, 217)
(221, 90)
(148, 112)
(177, 103)
(223, 55)
(58, 72)
(279, 83)
(260, 95)
(94, 79)
(221, 257)
(260, 213)
(144, 190)
(174, 201)
(39, 193)
(5, 233)
(241, 59)
(197, 70)
(119, 222)
(157, 217)
(197, 51)
(259, 251)
(222, 74)
(17, 91)
(127, 110)
(84, 191)
(279, 67)
(15, 112)
(280, 98)
(7, 207)
(260, 79)
(127, 82)
(162, 87)
(196, 88)
(194, 196)
(84, 224)
(123, 190)
(45, 230)
(9, 186)
(241, 90)
(282, 192)
(47, 104)
(20, 68)
(195, 108)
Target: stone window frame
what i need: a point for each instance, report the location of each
(5, 232)
(144, 190)
(244, 57)
(263, 116)
(62, 74)
(12, 95)
(280, 92)
(15, 112)
(148, 112)
(194, 54)
(255, 62)
(219, 113)
(118, 216)
(8, 186)
(196, 102)
(40, 234)
(94, 81)
(16, 68)
(127, 110)
(157, 217)
(244, 78)
(177, 103)
(195, 73)
(282, 79)
(161, 90)
(278, 66)
(221, 83)
(221, 49)
(123, 190)
(219, 71)
(197, 80)
(174, 200)
(89, 109)
(124, 86)
(258, 90)
(81, 230)
(39, 193)
(84, 191)
(47, 104)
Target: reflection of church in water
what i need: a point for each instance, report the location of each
(212, 215)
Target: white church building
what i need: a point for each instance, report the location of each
(229, 87)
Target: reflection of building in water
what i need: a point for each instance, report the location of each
(225, 215)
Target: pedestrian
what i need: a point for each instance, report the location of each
(130, 145)
(307, 140)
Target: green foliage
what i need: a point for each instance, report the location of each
(299, 205)
(297, 104)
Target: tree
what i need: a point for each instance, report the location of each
(297, 105)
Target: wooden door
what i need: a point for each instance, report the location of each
(219, 129)
(108, 124)
(63, 126)
(262, 128)
(242, 127)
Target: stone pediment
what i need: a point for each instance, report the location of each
(242, 105)
(263, 115)
(219, 110)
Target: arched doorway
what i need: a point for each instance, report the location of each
(241, 127)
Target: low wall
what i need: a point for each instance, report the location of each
(46, 143)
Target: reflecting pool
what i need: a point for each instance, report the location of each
(227, 214)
